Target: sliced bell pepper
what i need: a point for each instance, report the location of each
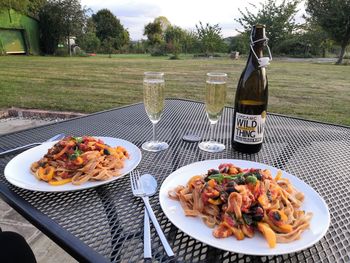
(278, 175)
(60, 182)
(78, 161)
(268, 233)
(215, 202)
(264, 201)
(212, 183)
(46, 173)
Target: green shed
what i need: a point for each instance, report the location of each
(19, 34)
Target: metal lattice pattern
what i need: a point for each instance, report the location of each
(110, 220)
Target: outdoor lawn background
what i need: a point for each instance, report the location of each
(317, 91)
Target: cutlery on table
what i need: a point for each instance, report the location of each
(54, 138)
(149, 184)
(138, 191)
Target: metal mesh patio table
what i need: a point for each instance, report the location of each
(105, 224)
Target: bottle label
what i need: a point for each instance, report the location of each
(249, 129)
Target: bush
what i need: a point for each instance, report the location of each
(240, 43)
(293, 47)
(2, 50)
(81, 53)
(89, 42)
(61, 52)
(174, 57)
(158, 50)
(346, 62)
(138, 47)
(203, 55)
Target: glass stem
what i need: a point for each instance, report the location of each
(211, 132)
(154, 132)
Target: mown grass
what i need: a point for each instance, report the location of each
(89, 84)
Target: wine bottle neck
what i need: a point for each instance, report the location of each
(258, 49)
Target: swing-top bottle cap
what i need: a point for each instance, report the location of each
(258, 37)
(263, 62)
(258, 33)
(260, 26)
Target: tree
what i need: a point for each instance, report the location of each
(18, 5)
(210, 38)
(240, 43)
(50, 27)
(73, 19)
(174, 36)
(27, 7)
(60, 20)
(163, 21)
(34, 7)
(124, 41)
(89, 42)
(279, 19)
(190, 42)
(108, 46)
(138, 47)
(154, 33)
(314, 36)
(108, 26)
(334, 17)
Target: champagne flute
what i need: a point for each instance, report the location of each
(153, 98)
(215, 98)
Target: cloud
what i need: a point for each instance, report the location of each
(135, 14)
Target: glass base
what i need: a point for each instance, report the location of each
(211, 146)
(155, 146)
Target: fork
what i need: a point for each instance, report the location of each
(54, 138)
(137, 190)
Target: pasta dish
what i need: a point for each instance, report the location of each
(78, 160)
(238, 202)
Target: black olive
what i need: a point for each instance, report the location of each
(213, 171)
(224, 170)
(276, 216)
(258, 174)
(257, 212)
(106, 152)
(248, 219)
(239, 180)
(231, 184)
(230, 190)
(224, 196)
(42, 164)
(268, 194)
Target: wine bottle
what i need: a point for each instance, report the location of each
(251, 97)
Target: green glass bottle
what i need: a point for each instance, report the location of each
(252, 97)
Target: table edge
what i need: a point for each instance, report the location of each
(72, 245)
(172, 99)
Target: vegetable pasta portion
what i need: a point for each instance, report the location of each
(78, 160)
(238, 202)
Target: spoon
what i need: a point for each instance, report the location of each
(149, 184)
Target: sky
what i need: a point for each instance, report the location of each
(135, 14)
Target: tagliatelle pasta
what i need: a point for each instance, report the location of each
(238, 202)
(78, 160)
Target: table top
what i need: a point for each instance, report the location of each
(105, 224)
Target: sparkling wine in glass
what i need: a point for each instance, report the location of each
(153, 99)
(215, 98)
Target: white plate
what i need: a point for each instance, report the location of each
(17, 171)
(194, 226)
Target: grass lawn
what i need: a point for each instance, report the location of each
(89, 84)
